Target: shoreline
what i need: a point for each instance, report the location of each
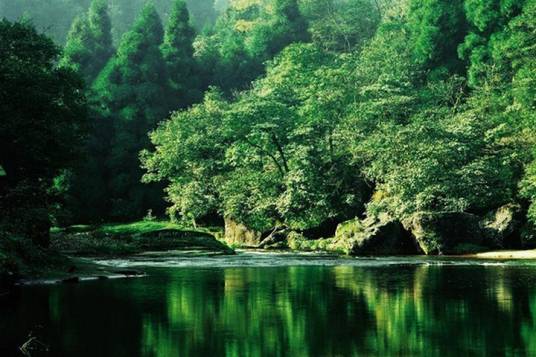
(523, 254)
(85, 269)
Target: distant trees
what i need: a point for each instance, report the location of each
(152, 73)
(55, 17)
(43, 126)
(177, 50)
(341, 25)
(133, 92)
(89, 43)
(245, 37)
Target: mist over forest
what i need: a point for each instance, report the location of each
(54, 17)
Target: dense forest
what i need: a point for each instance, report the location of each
(289, 115)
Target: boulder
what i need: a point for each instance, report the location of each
(238, 234)
(501, 227)
(375, 237)
(445, 232)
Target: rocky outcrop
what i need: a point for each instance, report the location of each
(501, 228)
(375, 237)
(445, 232)
(239, 235)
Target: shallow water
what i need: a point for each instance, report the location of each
(257, 304)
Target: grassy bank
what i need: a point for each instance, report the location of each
(21, 260)
(135, 238)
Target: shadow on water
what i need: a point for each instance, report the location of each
(345, 310)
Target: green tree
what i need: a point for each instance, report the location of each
(134, 95)
(190, 156)
(177, 50)
(341, 25)
(89, 43)
(437, 28)
(247, 35)
(489, 28)
(42, 129)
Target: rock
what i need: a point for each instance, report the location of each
(443, 232)
(501, 227)
(238, 234)
(375, 237)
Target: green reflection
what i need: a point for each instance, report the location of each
(290, 311)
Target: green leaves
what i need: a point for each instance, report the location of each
(42, 128)
(89, 43)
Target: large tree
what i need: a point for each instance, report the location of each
(437, 27)
(43, 113)
(89, 43)
(178, 51)
(134, 94)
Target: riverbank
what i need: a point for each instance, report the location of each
(21, 261)
(135, 238)
(506, 255)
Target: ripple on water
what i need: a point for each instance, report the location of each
(247, 258)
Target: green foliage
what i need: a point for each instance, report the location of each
(89, 43)
(247, 35)
(442, 161)
(177, 51)
(437, 27)
(528, 190)
(341, 25)
(316, 110)
(270, 156)
(43, 126)
(491, 37)
(190, 154)
(134, 95)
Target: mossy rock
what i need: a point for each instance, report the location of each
(442, 232)
(502, 226)
(375, 236)
(237, 234)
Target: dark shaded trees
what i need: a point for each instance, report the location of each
(134, 95)
(42, 129)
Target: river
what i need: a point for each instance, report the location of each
(267, 304)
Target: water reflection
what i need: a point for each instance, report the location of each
(285, 311)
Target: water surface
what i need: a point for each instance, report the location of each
(258, 304)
